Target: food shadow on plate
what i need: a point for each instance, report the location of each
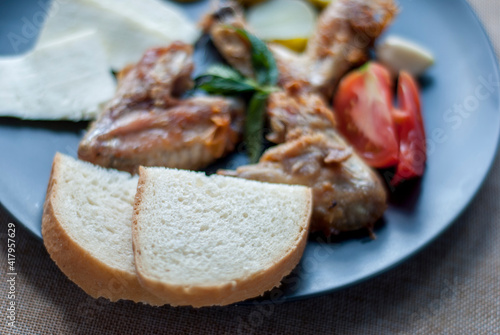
(425, 81)
(56, 126)
(405, 195)
(364, 235)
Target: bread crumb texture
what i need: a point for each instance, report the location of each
(97, 203)
(194, 230)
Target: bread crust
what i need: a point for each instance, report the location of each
(95, 277)
(226, 293)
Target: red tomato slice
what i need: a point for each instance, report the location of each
(363, 109)
(411, 132)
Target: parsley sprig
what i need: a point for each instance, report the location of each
(224, 80)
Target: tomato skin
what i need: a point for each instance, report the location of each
(363, 109)
(411, 132)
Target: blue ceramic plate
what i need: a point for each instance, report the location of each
(461, 112)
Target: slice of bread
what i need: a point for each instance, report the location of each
(86, 229)
(215, 240)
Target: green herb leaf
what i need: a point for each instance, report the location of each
(220, 79)
(263, 62)
(254, 125)
(218, 85)
(223, 71)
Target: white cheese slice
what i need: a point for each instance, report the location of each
(400, 54)
(127, 27)
(68, 79)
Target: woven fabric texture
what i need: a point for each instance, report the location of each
(451, 287)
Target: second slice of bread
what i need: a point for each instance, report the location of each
(215, 240)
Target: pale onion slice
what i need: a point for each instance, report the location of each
(289, 22)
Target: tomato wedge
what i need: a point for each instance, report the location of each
(363, 109)
(410, 129)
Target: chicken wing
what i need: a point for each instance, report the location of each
(147, 122)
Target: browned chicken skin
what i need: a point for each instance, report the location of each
(294, 112)
(234, 48)
(147, 123)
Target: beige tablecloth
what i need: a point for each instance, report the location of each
(452, 287)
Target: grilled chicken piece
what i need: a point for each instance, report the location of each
(348, 194)
(147, 123)
(345, 31)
